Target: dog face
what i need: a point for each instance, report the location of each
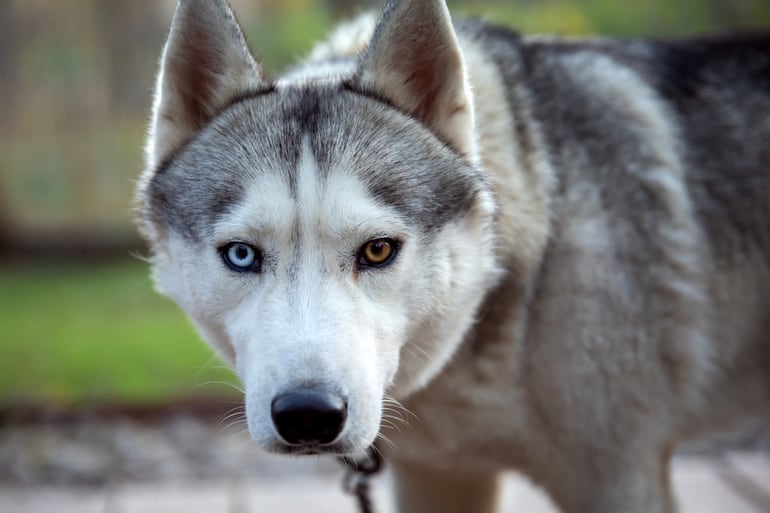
(331, 238)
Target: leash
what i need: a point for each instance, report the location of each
(359, 472)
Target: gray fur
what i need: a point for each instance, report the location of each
(403, 164)
(583, 283)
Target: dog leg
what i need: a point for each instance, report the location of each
(426, 490)
(639, 485)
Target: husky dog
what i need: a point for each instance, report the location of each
(555, 254)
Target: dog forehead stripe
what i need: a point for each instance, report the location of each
(401, 162)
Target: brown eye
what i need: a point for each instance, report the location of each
(377, 253)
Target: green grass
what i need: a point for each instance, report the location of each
(75, 334)
(622, 19)
(281, 39)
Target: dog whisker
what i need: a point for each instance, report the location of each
(393, 405)
(233, 413)
(386, 440)
(217, 382)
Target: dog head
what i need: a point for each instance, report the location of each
(332, 238)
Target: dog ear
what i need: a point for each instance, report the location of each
(414, 60)
(205, 63)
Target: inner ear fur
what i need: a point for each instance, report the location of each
(205, 63)
(415, 61)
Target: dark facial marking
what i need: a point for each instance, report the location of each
(403, 164)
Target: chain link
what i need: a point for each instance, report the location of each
(359, 472)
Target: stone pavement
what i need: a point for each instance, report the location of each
(737, 484)
(187, 464)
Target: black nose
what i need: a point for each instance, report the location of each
(309, 416)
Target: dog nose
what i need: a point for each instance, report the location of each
(309, 416)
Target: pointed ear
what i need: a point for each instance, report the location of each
(414, 60)
(204, 64)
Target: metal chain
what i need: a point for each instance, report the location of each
(356, 480)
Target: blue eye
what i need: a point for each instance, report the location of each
(241, 257)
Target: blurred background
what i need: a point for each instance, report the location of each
(86, 347)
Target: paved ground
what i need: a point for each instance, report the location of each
(189, 465)
(701, 487)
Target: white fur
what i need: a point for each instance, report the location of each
(567, 373)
